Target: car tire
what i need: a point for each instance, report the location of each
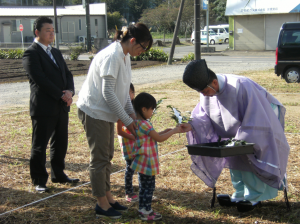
(212, 42)
(226, 40)
(193, 42)
(292, 75)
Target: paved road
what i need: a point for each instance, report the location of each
(179, 52)
(17, 94)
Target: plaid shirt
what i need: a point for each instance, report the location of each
(145, 151)
(126, 144)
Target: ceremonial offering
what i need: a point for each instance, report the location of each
(177, 117)
(221, 149)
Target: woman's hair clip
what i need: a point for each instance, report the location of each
(124, 30)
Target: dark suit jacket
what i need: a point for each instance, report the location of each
(47, 81)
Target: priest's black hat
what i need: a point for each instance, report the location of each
(196, 75)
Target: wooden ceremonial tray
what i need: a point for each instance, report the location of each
(214, 150)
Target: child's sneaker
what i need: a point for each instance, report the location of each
(132, 197)
(149, 215)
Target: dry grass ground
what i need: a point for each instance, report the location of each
(181, 196)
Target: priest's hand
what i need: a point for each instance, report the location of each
(186, 127)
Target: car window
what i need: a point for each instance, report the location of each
(227, 29)
(290, 38)
(215, 30)
(211, 32)
(221, 31)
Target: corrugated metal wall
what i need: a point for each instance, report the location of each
(273, 24)
(249, 32)
(259, 32)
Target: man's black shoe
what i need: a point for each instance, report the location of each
(225, 200)
(67, 180)
(41, 188)
(246, 206)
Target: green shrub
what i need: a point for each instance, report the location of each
(75, 52)
(11, 54)
(91, 57)
(189, 57)
(154, 54)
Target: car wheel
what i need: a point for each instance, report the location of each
(212, 42)
(292, 75)
(226, 40)
(193, 42)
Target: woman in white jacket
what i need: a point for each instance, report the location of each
(103, 99)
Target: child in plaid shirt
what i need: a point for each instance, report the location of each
(126, 140)
(145, 153)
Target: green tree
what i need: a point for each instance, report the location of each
(218, 9)
(113, 20)
(136, 8)
(116, 6)
(187, 17)
(156, 3)
(161, 17)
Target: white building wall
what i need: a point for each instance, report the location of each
(249, 32)
(273, 25)
(259, 32)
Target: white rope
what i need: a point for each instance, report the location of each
(43, 199)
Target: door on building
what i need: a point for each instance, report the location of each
(68, 31)
(273, 25)
(7, 34)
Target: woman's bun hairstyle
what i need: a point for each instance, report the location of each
(139, 31)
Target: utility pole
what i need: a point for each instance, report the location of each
(197, 30)
(55, 26)
(88, 25)
(175, 32)
(207, 23)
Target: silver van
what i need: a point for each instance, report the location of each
(221, 30)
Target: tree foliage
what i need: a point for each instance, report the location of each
(113, 20)
(116, 6)
(187, 17)
(218, 10)
(162, 17)
(136, 8)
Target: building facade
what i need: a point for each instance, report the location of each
(71, 22)
(255, 24)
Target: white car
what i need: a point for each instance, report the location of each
(213, 37)
(221, 30)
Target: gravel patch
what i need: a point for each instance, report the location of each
(17, 94)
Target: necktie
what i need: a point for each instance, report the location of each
(50, 55)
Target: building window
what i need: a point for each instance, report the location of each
(96, 22)
(15, 24)
(79, 24)
(32, 24)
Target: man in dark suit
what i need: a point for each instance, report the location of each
(51, 92)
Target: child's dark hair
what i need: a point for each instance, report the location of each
(143, 100)
(39, 22)
(139, 31)
(131, 87)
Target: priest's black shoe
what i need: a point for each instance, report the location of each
(225, 200)
(41, 188)
(66, 180)
(246, 206)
